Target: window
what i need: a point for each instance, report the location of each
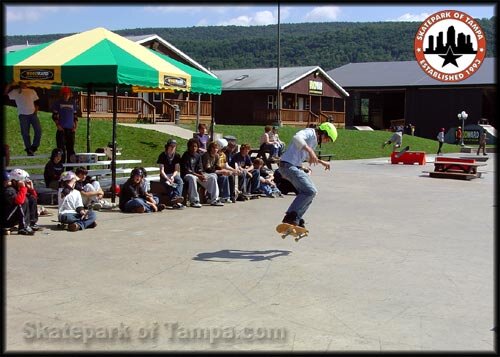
(307, 104)
(271, 102)
(157, 97)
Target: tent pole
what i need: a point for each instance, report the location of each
(89, 88)
(212, 122)
(113, 154)
(198, 112)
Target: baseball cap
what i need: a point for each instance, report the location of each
(68, 176)
(65, 90)
(171, 142)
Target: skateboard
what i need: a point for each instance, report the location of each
(286, 229)
(60, 226)
(399, 154)
(247, 196)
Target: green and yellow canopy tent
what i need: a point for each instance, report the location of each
(99, 58)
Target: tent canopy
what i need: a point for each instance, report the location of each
(103, 58)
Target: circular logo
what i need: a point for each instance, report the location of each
(450, 46)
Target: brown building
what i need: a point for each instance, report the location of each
(382, 93)
(307, 95)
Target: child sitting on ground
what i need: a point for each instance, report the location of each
(91, 191)
(267, 184)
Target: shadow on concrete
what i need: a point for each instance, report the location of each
(230, 254)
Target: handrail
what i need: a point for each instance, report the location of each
(125, 105)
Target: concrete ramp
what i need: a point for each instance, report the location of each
(362, 127)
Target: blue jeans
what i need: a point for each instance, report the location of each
(304, 186)
(25, 121)
(68, 218)
(175, 191)
(137, 202)
(223, 182)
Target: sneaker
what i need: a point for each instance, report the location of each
(30, 152)
(233, 199)
(36, 227)
(26, 231)
(302, 223)
(196, 204)
(107, 205)
(290, 218)
(177, 199)
(161, 207)
(178, 206)
(97, 206)
(139, 209)
(73, 227)
(217, 203)
(93, 225)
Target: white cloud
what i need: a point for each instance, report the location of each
(323, 14)
(412, 17)
(33, 14)
(258, 19)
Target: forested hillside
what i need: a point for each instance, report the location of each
(328, 45)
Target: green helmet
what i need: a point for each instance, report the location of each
(330, 130)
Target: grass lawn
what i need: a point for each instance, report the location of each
(148, 144)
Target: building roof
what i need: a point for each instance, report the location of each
(404, 74)
(265, 78)
(138, 39)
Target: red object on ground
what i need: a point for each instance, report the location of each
(409, 158)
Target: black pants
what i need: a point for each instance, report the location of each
(17, 215)
(65, 140)
(440, 146)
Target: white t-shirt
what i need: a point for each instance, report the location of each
(25, 100)
(70, 202)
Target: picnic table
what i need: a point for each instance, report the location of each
(456, 168)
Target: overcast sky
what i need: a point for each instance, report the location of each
(42, 19)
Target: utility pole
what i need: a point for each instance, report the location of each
(278, 94)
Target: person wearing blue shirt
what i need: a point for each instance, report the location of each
(301, 149)
(64, 114)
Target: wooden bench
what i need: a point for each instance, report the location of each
(265, 155)
(327, 157)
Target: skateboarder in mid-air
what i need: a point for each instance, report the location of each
(396, 138)
(301, 148)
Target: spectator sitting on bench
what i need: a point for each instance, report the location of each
(71, 210)
(170, 173)
(267, 184)
(224, 148)
(266, 144)
(210, 162)
(53, 169)
(193, 174)
(19, 203)
(274, 138)
(248, 177)
(134, 198)
(91, 191)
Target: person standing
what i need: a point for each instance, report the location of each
(27, 107)
(440, 138)
(64, 114)
(300, 149)
(458, 135)
(482, 142)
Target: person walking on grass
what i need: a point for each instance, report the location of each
(440, 138)
(27, 107)
(300, 149)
